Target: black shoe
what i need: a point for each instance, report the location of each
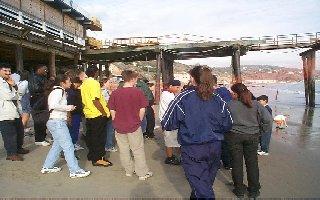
(23, 151)
(254, 194)
(172, 161)
(238, 194)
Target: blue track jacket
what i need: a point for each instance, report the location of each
(198, 121)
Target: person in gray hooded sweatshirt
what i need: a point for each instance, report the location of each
(249, 119)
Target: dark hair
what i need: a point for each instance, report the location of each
(107, 73)
(5, 65)
(39, 66)
(91, 71)
(205, 81)
(60, 78)
(76, 80)
(263, 97)
(244, 95)
(24, 75)
(128, 75)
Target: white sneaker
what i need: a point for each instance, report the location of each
(130, 174)
(80, 174)
(143, 178)
(77, 147)
(43, 143)
(50, 170)
(112, 149)
(262, 153)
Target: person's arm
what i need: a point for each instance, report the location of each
(54, 101)
(98, 105)
(113, 114)
(6, 94)
(265, 117)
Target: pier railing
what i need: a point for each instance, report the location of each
(17, 19)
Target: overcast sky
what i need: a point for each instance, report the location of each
(210, 18)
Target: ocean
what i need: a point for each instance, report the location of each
(303, 122)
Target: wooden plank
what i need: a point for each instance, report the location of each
(311, 80)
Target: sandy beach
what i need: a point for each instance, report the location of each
(290, 171)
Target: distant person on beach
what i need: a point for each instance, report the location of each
(127, 105)
(170, 137)
(249, 117)
(266, 134)
(202, 119)
(10, 122)
(97, 114)
(57, 125)
(37, 83)
(281, 121)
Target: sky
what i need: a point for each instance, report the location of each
(225, 19)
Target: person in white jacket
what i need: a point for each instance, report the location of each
(10, 122)
(57, 125)
(170, 137)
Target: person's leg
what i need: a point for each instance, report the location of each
(265, 142)
(39, 127)
(109, 130)
(9, 136)
(74, 128)
(20, 133)
(137, 147)
(125, 156)
(144, 125)
(55, 150)
(64, 140)
(250, 148)
(198, 169)
(225, 155)
(25, 118)
(150, 121)
(88, 138)
(100, 139)
(236, 148)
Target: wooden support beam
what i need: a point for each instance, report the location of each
(236, 66)
(305, 77)
(311, 57)
(158, 75)
(52, 64)
(167, 67)
(19, 58)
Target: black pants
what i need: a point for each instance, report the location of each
(226, 154)
(40, 119)
(244, 145)
(12, 135)
(150, 121)
(96, 137)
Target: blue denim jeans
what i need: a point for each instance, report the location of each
(61, 142)
(265, 142)
(75, 127)
(109, 134)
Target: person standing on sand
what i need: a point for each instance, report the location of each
(170, 137)
(248, 119)
(202, 119)
(266, 134)
(57, 125)
(127, 105)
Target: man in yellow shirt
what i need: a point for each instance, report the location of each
(96, 114)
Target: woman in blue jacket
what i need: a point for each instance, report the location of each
(202, 118)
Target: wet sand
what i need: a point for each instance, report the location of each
(291, 170)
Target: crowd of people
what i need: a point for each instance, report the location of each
(202, 124)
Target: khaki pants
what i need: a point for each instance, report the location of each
(134, 142)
